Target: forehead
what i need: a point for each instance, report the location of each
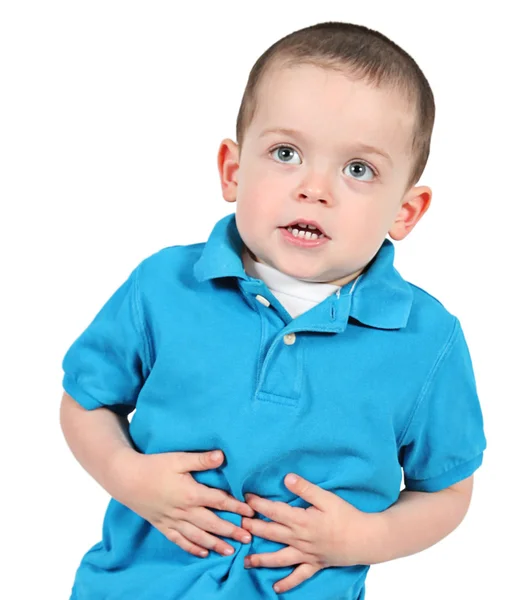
(328, 105)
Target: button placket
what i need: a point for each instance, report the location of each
(281, 375)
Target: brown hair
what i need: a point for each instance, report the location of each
(354, 49)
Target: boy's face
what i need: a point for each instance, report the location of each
(326, 151)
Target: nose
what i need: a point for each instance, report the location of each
(315, 188)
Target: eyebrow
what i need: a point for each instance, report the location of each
(361, 147)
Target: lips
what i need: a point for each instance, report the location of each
(309, 227)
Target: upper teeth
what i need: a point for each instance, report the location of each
(303, 226)
(300, 230)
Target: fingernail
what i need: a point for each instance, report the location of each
(203, 553)
(277, 589)
(291, 478)
(228, 551)
(247, 563)
(246, 539)
(217, 455)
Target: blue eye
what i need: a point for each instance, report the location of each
(284, 154)
(360, 171)
(357, 169)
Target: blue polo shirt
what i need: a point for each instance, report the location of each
(372, 384)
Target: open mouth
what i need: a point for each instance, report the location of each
(305, 230)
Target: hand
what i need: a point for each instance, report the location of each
(330, 533)
(165, 494)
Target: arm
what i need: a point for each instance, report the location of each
(105, 370)
(97, 439)
(333, 533)
(419, 520)
(158, 487)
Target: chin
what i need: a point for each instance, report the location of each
(289, 267)
(305, 274)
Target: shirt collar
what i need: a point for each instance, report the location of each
(221, 256)
(379, 297)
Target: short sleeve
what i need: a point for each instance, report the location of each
(444, 441)
(108, 363)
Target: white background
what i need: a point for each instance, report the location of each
(111, 114)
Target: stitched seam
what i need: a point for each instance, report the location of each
(316, 329)
(288, 401)
(300, 355)
(75, 380)
(261, 358)
(448, 470)
(298, 395)
(140, 320)
(433, 372)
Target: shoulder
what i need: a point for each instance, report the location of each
(424, 301)
(430, 317)
(171, 263)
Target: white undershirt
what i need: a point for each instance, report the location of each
(295, 295)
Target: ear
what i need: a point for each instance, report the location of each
(414, 205)
(228, 165)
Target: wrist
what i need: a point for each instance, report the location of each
(380, 547)
(124, 472)
(369, 544)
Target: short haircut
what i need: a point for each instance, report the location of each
(361, 52)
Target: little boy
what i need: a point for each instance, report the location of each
(289, 344)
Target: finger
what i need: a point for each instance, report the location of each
(269, 531)
(203, 538)
(279, 512)
(298, 575)
(209, 521)
(177, 538)
(198, 461)
(286, 557)
(221, 500)
(313, 494)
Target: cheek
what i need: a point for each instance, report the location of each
(264, 176)
(368, 218)
(260, 198)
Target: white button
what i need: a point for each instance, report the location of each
(289, 339)
(262, 300)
